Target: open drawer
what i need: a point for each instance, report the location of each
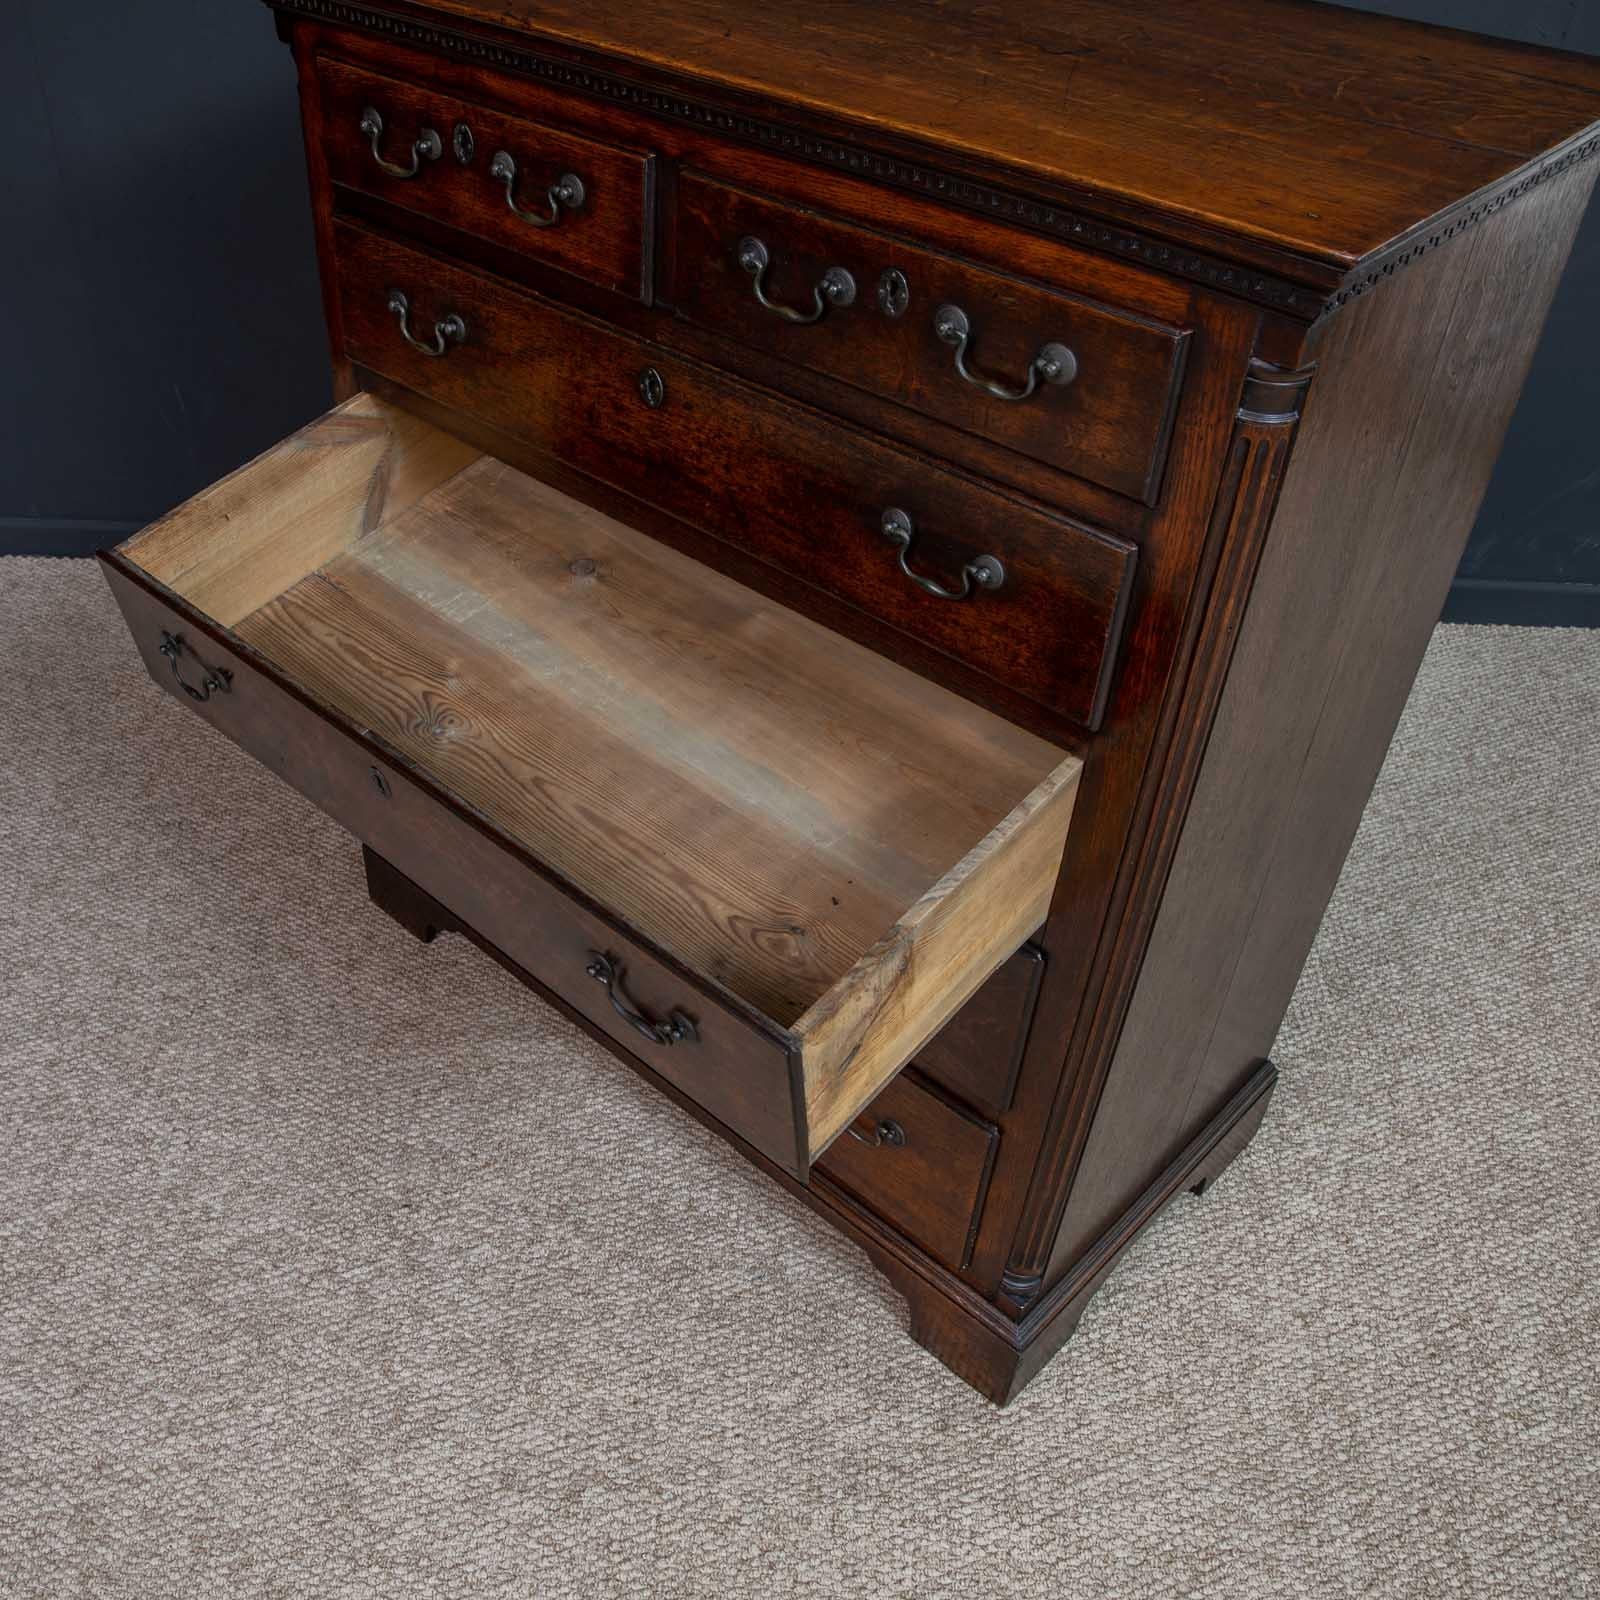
(764, 859)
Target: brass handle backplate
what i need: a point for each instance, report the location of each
(215, 680)
(1054, 363)
(427, 146)
(567, 193)
(885, 1132)
(677, 1029)
(834, 288)
(982, 572)
(448, 330)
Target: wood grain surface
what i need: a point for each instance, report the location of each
(916, 977)
(788, 484)
(816, 836)
(252, 534)
(764, 799)
(1322, 671)
(740, 1069)
(1109, 424)
(1322, 134)
(606, 240)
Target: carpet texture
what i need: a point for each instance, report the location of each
(336, 1265)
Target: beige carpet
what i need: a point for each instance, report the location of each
(334, 1265)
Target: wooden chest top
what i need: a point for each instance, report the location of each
(1303, 140)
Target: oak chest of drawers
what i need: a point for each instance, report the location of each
(872, 556)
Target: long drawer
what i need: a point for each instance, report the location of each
(569, 201)
(1028, 597)
(769, 862)
(1059, 377)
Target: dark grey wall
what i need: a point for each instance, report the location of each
(1535, 554)
(160, 305)
(162, 319)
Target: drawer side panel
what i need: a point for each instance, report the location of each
(913, 981)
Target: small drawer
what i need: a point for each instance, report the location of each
(566, 200)
(1058, 377)
(978, 1053)
(767, 861)
(1024, 595)
(922, 1162)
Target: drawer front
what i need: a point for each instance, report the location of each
(1107, 419)
(513, 187)
(788, 485)
(922, 1163)
(978, 1052)
(731, 1066)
